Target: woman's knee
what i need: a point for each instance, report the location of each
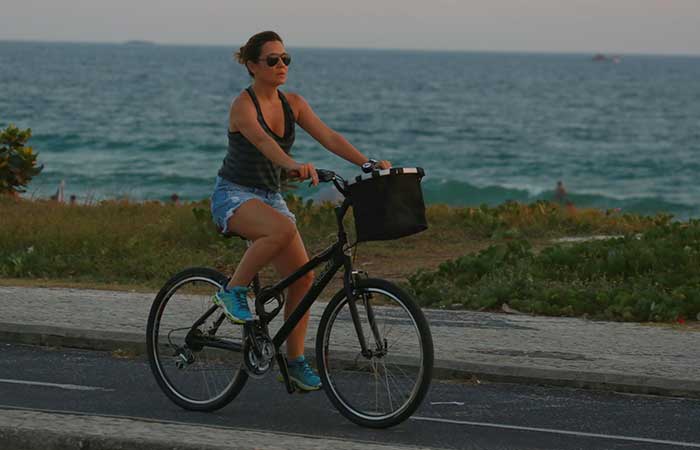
(256, 220)
(282, 233)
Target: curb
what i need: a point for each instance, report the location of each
(22, 429)
(601, 381)
(42, 440)
(134, 344)
(50, 336)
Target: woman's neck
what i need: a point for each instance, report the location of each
(265, 92)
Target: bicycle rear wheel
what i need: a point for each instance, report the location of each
(191, 345)
(384, 385)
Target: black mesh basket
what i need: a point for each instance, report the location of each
(388, 204)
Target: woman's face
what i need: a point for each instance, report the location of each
(275, 75)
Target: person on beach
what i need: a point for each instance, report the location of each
(247, 199)
(560, 195)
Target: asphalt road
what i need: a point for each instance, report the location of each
(453, 416)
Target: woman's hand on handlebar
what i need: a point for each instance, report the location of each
(383, 164)
(373, 164)
(305, 171)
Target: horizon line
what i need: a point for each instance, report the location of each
(147, 42)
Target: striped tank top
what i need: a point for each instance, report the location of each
(246, 165)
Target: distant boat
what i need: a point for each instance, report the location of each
(599, 57)
(137, 42)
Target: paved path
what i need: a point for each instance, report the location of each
(561, 351)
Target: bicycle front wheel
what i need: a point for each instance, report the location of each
(383, 383)
(194, 352)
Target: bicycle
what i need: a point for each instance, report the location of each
(374, 349)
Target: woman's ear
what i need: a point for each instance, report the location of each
(247, 66)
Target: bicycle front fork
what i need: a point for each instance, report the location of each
(354, 294)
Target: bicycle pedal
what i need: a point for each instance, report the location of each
(292, 385)
(296, 388)
(282, 364)
(306, 391)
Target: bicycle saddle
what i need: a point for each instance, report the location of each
(228, 234)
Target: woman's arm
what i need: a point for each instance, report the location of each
(244, 117)
(330, 139)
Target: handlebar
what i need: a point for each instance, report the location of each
(325, 176)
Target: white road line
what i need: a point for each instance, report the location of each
(565, 432)
(72, 387)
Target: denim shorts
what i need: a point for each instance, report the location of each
(228, 197)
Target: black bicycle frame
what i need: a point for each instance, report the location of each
(335, 257)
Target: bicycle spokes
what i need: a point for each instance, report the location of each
(373, 356)
(196, 354)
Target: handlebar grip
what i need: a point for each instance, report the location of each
(324, 175)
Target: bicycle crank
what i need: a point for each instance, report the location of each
(257, 357)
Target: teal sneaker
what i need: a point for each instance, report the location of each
(234, 303)
(302, 375)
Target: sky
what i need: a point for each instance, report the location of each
(607, 26)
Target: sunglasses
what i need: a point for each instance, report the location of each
(272, 60)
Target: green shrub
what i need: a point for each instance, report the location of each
(17, 161)
(654, 276)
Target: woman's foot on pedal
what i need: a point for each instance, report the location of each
(302, 375)
(234, 303)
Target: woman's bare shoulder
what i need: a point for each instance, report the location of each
(241, 106)
(242, 99)
(296, 101)
(294, 98)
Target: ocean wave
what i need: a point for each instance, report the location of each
(459, 193)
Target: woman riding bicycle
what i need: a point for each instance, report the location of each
(247, 200)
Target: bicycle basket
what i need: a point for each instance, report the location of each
(388, 204)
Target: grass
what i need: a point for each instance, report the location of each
(137, 246)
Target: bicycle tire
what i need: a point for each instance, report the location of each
(342, 377)
(158, 359)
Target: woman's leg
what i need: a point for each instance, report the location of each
(270, 231)
(287, 262)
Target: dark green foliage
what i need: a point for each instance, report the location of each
(17, 162)
(654, 276)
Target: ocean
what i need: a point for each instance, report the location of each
(146, 121)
